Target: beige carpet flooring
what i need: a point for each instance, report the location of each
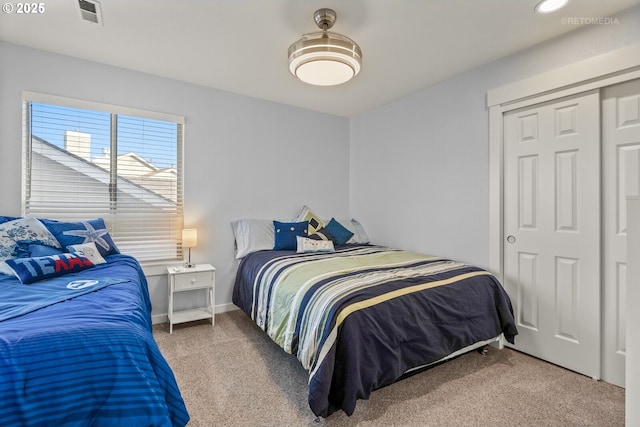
(234, 375)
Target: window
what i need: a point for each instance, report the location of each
(85, 160)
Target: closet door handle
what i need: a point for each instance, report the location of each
(511, 238)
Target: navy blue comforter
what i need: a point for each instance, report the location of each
(86, 359)
(360, 318)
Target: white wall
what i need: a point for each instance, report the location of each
(244, 157)
(414, 172)
(419, 166)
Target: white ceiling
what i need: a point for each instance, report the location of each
(241, 45)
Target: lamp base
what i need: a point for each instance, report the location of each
(188, 264)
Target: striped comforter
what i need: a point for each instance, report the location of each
(359, 318)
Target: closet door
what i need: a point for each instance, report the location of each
(552, 229)
(621, 178)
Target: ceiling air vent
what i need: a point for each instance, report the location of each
(90, 11)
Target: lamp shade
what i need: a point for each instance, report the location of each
(189, 237)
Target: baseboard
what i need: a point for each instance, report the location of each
(159, 318)
(222, 308)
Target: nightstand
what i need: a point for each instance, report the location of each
(181, 279)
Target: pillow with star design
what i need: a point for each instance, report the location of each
(77, 233)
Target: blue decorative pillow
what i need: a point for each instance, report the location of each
(286, 233)
(30, 249)
(75, 233)
(4, 219)
(30, 270)
(339, 232)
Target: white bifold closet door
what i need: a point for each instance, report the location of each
(621, 178)
(552, 229)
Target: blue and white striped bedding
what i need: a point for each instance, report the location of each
(361, 317)
(88, 360)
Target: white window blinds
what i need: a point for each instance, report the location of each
(107, 162)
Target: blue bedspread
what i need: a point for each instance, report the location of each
(360, 318)
(88, 360)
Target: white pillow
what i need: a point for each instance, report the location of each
(253, 235)
(359, 235)
(89, 250)
(306, 245)
(362, 236)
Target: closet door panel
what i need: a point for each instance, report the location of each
(552, 229)
(621, 178)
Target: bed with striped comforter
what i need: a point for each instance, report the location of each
(360, 318)
(89, 359)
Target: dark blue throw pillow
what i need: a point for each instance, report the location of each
(76, 233)
(339, 232)
(4, 219)
(286, 233)
(30, 249)
(30, 270)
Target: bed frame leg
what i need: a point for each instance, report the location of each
(497, 343)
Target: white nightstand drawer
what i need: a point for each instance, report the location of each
(193, 280)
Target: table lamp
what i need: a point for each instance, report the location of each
(189, 240)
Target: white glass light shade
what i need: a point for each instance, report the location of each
(325, 58)
(548, 6)
(189, 237)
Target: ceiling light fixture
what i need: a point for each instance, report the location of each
(325, 58)
(548, 6)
